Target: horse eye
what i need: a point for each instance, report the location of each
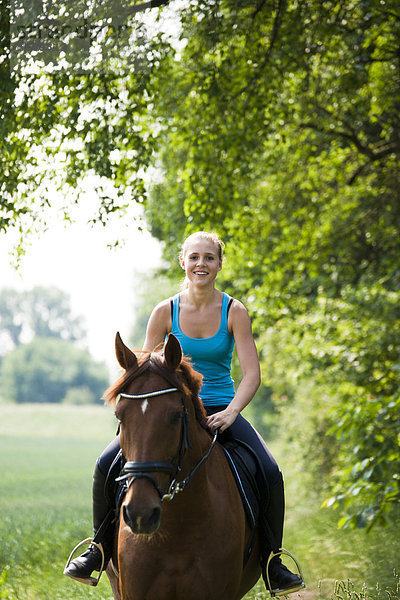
(175, 418)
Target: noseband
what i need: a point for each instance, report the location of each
(143, 470)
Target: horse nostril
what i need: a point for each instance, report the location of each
(125, 514)
(155, 518)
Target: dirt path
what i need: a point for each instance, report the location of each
(307, 594)
(324, 591)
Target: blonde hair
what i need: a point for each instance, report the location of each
(202, 235)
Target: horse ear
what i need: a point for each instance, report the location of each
(172, 352)
(126, 358)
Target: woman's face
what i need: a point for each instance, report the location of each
(201, 261)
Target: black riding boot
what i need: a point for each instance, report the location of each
(103, 525)
(280, 578)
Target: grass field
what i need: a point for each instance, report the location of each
(47, 454)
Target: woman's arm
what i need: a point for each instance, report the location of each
(158, 327)
(240, 325)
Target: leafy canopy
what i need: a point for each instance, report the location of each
(280, 128)
(276, 122)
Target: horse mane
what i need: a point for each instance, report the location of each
(185, 378)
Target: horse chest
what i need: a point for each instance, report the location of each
(190, 568)
(162, 580)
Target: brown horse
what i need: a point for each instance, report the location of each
(182, 529)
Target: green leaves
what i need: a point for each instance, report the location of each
(74, 100)
(275, 123)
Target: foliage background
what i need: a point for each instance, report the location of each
(42, 353)
(277, 123)
(280, 129)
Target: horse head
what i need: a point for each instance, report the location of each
(153, 413)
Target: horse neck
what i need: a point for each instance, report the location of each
(199, 444)
(198, 498)
(199, 439)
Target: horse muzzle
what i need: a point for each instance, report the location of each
(141, 509)
(142, 522)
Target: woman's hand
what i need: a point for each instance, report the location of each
(222, 420)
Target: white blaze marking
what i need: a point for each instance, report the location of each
(144, 406)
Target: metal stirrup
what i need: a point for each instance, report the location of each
(93, 580)
(281, 592)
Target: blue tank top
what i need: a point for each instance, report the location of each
(212, 357)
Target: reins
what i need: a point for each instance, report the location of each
(143, 470)
(179, 486)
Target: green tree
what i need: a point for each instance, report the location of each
(280, 128)
(275, 121)
(39, 312)
(48, 369)
(73, 97)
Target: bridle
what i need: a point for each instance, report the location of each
(143, 470)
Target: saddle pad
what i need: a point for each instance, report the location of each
(244, 468)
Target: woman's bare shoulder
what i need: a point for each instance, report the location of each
(159, 325)
(238, 316)
(163, 307)
(238, 308)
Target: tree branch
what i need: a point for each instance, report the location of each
(384, 149)
(145, 5)
(259, 7)
(275, 30)
(356, 174)
(274, 36)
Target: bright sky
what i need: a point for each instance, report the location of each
(100, 281)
